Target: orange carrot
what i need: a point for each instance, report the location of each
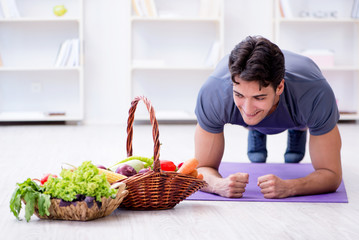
(188, 166)
(200, 176)
(194, 173)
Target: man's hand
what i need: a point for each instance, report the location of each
(209, 148)
(274, 187)
(232, 186)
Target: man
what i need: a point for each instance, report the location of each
(269, 91)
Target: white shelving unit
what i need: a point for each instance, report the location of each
(324, 25)
(32, 88)
(172, 54)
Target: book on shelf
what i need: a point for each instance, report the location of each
(63, 53)
(285, 9)
(74, 58)
(68, 54)
(145, 8)
(355, 9)
(137, 7)
(9, 9)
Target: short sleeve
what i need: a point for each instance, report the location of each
(323, 114)
(209, 107)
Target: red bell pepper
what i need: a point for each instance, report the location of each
(167, 165)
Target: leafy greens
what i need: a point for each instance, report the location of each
(33, 195)
(85, 180)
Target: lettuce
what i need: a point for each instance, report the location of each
(84, 180)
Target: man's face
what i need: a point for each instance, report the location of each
(255, 104)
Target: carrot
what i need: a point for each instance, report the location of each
(188, 166)
(200, 176)
(194, 173)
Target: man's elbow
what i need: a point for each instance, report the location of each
(336, 181)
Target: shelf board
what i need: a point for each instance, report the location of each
(349, 116)
(182, 68)
(29, 20)
(175, 19)
(340, 68)
(168, 116)
(318, 20)
(18, 69)
(35, 116)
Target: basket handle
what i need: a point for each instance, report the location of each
(155, 132)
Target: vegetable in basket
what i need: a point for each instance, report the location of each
(83, 183)
(146, 161)
(33, 194)
(46, 177)
(126, 170)
(167, 165)
(84, 180)
(189, 167)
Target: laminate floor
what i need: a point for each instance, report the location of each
(32, 150)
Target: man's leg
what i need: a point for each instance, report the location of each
(257, 149)
(295, 146)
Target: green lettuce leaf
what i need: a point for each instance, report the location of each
(84, 180)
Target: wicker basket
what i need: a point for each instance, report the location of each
(155, 189)
(81, 212)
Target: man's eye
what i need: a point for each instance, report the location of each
(260, 98)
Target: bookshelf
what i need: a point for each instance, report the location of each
(32, 86)
(174, 48)
(326, 31)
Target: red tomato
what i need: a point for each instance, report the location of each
(167, 165)
(46, 177)
(179, 165)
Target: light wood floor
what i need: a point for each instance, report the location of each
(31, 151)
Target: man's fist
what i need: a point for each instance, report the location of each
(232, 186)
(273, 186)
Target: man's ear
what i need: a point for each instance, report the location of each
(280, 88)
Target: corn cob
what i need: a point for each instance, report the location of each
(111, 176)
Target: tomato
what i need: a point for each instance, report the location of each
(167, 165)
(179, 165)
(46, 177)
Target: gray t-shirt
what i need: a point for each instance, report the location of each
(307, 100)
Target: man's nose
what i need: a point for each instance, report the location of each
(248, 106)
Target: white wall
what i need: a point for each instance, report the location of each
(107, 45)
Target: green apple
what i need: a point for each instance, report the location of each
(59, 10)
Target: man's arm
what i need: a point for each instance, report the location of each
(209, 148)
(325, 155)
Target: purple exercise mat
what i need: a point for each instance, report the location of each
(284, 171)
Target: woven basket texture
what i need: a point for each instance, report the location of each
(155, 189)
(81, 212)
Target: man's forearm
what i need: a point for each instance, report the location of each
(319, 181)
(211, 176)
(232, 186)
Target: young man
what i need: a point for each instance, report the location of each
(268, 91)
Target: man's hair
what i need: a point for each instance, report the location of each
(257, 59)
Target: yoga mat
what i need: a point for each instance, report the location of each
(282, 170)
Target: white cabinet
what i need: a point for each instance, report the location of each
(324, 31)
(174, 50)
(32, 86)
